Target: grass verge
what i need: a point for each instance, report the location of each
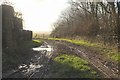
(105, 50)
(71, 66)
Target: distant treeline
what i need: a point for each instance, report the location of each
(41, 34)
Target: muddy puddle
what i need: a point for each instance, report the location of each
(45, 51)
(36, 63)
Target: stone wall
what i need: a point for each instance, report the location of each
(26, 35)
(18, 23)
(7, 26)
(12, 30)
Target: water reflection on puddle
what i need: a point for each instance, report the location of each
(44, 49)
(41, 48)
(36, 64)
(27, 69)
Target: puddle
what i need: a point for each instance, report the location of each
(28, 69)
(35, 65)
(44, 49)
(23, 66)
(41, 48)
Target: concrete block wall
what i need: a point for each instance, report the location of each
(12, 30)
(7, 26)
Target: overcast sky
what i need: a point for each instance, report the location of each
(39, 15)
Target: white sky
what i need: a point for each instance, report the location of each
(39, 15)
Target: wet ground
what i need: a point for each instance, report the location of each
(40, 65)
(36, 64)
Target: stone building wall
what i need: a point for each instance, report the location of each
(7, 26)
(26, 35)
(12, 30)
(18, 23)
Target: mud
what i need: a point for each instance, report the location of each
(39, 64)
(107, 67)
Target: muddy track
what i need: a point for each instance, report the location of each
(36, 67)
(107, 68)
(96, 62)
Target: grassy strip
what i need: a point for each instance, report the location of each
(36, 43)
(78, 42)
(72, 66)
(110, 53)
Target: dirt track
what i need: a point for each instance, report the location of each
(108, 68)
(37, 66)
